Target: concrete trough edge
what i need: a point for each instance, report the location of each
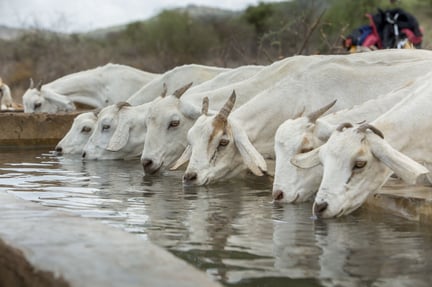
(42, 129)
(43, 246)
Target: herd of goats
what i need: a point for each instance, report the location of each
(336, 127)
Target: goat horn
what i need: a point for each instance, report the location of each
(316, 114)
(31, 83)
(227, 108)
(164, 90)
(120, 105)
(205, 106)
(178, 93)
(365, 127)
(344, 126)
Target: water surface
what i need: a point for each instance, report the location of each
(231, 230)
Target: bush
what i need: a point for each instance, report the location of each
(173, 38)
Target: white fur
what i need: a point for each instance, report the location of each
(97, 88)
(175, 78)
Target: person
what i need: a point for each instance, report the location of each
(391, 28)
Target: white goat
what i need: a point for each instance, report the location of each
(296, 136)
(79, 133)
(222, 147)
(97, 88)
(98, 142)
(6, 101)
(358, 161)
(169, 119)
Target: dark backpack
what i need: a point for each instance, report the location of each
(390, 23)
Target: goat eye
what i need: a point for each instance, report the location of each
(360, 164)
(37, 105)
(105, 127)
(174, 124)
(223, 142)
(86, 129)
(306, 149)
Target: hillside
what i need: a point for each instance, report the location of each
(8, 33)
(194, 11)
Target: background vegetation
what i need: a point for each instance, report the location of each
(259, 35)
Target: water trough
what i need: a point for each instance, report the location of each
(42, 246)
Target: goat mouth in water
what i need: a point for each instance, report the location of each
(150, 168)
(58, 151)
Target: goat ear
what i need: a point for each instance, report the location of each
(307, 160)
(61, 101)
(120, 136)
(251, 157)
(183, 158)
(405, 167)
(119, 139)
(190, 110)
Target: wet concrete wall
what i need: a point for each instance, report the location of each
(21, 129)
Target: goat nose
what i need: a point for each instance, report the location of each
(277, 194)
(59, 150)
(319, 208)
(146, 163)
(190, 176)
(84, 154)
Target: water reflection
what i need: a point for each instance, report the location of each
(230, 230)
(367, 250)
